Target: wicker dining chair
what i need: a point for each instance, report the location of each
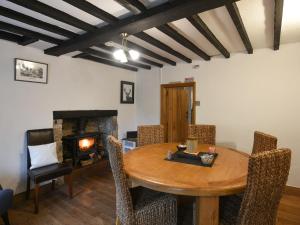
(267, 176)
(263, 142)
(150, 134)
(138, 206)
(206, 134)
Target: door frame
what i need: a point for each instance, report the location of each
(175, 85)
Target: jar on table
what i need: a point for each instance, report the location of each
(191, 144)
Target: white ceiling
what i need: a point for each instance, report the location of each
(257, 15)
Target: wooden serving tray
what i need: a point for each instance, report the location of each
(194, 159)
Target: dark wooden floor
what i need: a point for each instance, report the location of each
(94, 204)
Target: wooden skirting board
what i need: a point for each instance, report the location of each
(289, 190)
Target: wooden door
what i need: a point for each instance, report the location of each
(176, 103)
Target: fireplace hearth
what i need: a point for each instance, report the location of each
(81, 135)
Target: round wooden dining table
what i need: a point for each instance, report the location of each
(146, 166)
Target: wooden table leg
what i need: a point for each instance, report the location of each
(132, 183)
(207, 211)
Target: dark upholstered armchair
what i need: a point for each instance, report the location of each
(6, 200)
(46, 173)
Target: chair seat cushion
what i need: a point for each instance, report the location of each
(6, 199)
(230, 207)
(49, 172)
(154, 208)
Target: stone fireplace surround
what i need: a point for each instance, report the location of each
(102, 121)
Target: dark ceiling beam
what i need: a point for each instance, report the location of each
(134, 6)
(172, 33)
(93, 10)
(10, 37)
(238, 22)
(105, 61)
(277, 23)
(49, 11)
(29, 33)
(108, 56)
(199, 24)
(140, 65)
(35, 22)
(111, 49)
(27, 41)
(148, 61)
(153, 17)
(145, 37)
(21, 40)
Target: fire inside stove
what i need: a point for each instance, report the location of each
(86, 143)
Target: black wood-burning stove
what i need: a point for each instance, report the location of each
(82, 147)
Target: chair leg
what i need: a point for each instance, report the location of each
(118, 221)
(53, 185)
(5, 218)
(36, 198)
(68, 178)
(28, 188)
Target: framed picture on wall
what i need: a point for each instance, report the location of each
(30, 71)
(127, 92)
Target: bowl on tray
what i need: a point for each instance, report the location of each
(207, 159)
(181, 147)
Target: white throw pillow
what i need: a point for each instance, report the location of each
(42, 155)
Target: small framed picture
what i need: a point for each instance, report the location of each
(30, 71)
(127, 92)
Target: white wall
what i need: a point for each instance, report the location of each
(148, 97)
(247, 93)
(74, 84)
(240, 95)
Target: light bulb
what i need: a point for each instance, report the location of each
(120, 55)
(124, 59)
(134, 54)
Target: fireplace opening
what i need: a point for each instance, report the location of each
(83, 134)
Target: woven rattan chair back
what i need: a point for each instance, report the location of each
(267, 175)
(206, 134)
(123, 198)
(150, 134)
(263, 142)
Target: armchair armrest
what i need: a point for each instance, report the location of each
(6, 200)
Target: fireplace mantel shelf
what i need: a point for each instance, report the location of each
(77, 114)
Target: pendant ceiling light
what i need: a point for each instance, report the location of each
(123, 54)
